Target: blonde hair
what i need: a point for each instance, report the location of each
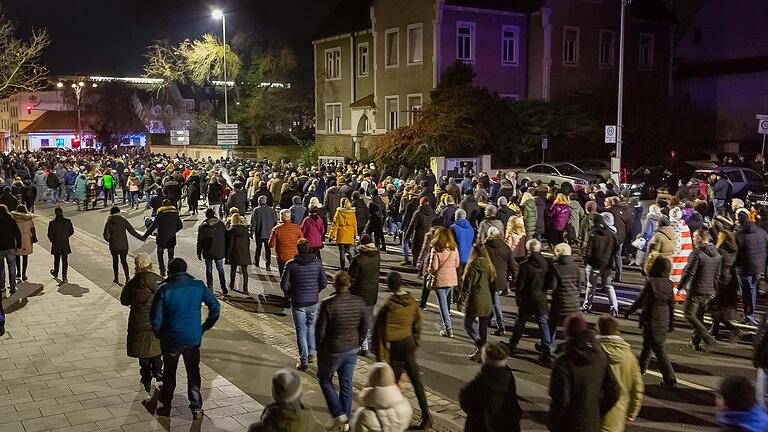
(237, 219)
(561, 199)
(562, 249)
(516, 225)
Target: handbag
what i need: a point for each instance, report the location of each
(639, 243)
(431, 280)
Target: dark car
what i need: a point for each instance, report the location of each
(645, 181)
(597, 167)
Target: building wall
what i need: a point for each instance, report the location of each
(535, 56)
(333, 90)
(491, 73)
(19, 117)
(363, 83)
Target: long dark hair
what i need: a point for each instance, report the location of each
(479, 252)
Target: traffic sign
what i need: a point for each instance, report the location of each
(226, 135)
(226, 146)
(544, 143)
(610, 134)
(180, 137)
(762, 124)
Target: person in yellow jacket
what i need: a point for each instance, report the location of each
(343, 230)
(626, 369)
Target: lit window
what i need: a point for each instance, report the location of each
(393, 112)
(414, 108)
(415, 43)
(59, 142)
(509, 45)
(333, 63)
(646, 51)
(362, 59)
(571, 46)
(44, 142)
(333, 117)
(391, 47)
(465, 47)
(607, 41)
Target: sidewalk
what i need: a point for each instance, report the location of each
(63, 367)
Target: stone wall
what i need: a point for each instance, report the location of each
(251, 152)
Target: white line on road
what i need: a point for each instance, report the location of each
(680, 381)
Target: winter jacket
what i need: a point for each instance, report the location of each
(448, 214)
(420, 224)
(138, 293)
(530, 285)
(176, 315)
(626, 370)
(582, 387)
(575, 217)
(658, 304)
(601, 248)
(702, 272)
(727, 291)
(331, 201)
(721, 189)
(475, 292)
(39, 179)
(752, 242)
(753, 420)
(364, 272)
(8, 200)
(398, 318)
(238, 199)
(238, 246)
(59, 231)
(212, 239)
(343, 227)
(503, 261)
(469, 205)
(26, 223)
(298, 212)
(530, 217)
(313, 229)
(167, 223)
(115, 233)
(52, 180)
(443, 266)
(10, 236)
(361, 213)
(622, 220)
(303, 279)
(81, 188)
(464, 235)
(485, 225)
(563, 282)
(286, 418)
(663, 242)
(382, 409)
(342, 323)
(558, 215)
(283, 239)
(490, 401)
(262, 222)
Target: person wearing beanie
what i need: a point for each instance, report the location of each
(383, 408)
(737, 408)
(598, 258)
(396, 338)
(490, 398)
(489, 220)
(752, 242)
(175, 316)
(582, 387)
(141, 342)
(115, 233)
(59, 231)
(287, 412)
(238, 199)
(364, 271)
(503, 261)
(564, 286)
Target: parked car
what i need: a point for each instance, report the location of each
(744, 180)
(567, 176)
(645, 181)
(596, 167)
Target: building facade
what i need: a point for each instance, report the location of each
(19, 110)
(375, 70)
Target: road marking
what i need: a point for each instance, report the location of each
(680, 381)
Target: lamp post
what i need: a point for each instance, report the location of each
(218, 14)
(78, 89)
(620, 109)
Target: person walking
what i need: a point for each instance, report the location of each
(490, 398)
(115, 233)
(383, 408)
(26, 223)
(622, 220)
(341, 328)
(59, 231)
(738, 410)
(262, 222)
(10, 240)
(722, 307)
(167, 223)
(626, 370)
(80, 191)
(599, 260)
(563, 282)
(313, 229)
(506, 268)
(475, 297)
(531, 297)
(193, 192)
(396, 337)
(238, 245)
(464, 235)
(700, 276)
(657, 318)
(141, 342)
(301, 282)
(558, 215)
(212, 247)
(175, 316)
(752, 242)
(582, 387)
(364, 271)
(343, 230)
(420, 224)
(489, 221)
(283, 239)
(287, 413)
(442, 275)
(108, 184)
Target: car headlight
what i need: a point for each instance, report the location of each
(581, 182)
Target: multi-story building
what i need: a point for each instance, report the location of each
(377, 61)
(19, 110)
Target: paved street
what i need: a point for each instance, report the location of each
(66, 365)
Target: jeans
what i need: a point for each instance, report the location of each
(191, 356)
(161, 253)
(497, 311)
(263, 243)
(619, 264)
(344, 251)
(219, 269)
(394, 227)
(344, 364)
(695, 305)
(478, 332)
(402, 356)
(8, 258)
(69, 190)
(443, 294)
(133, 199)
(55, 194)
(606, 281)
(748, 286)
(123, 259)
(522, 318)
(406, 248)
(717, 203)
(304, 319)
(369, 320)
(64, 265)
(150, 367)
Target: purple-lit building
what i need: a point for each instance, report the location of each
(377, 61)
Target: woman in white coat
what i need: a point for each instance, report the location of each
(382, 406)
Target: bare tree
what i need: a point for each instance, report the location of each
(19, 59)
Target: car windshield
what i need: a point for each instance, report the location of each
(590, 165)
(568, 169)
(649, 170)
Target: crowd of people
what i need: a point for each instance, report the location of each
(473, 240)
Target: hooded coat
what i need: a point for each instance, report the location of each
(702, 272)
(81, 188)
(26, 224)
(465, 235)
(115, 233)
(582, 387)
(420, 224)
(382, 409)
(530, 217)
(138, 293)
(601, 248)
(364, 272)
(238, 246)
(626, 370)
(490, 401)
(503, 261)
(752, 242)
(475, 291)
(313, 229)
(753, 420)
(575, 216)
(663, 242)
(343, 226)
(331, 201)
(398, 319)
(167, 223)
(280, 418)
(530, 287)
(558, 215)
(727, 292)
(212, 239)
(563, 281)
(657, 301)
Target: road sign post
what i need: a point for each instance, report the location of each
(544, 147)
(610, 134)
(227, 136)
(762, 128)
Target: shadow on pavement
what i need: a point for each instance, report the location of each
(681, 394)
(663, 414)
(73, 290)
(271, 304)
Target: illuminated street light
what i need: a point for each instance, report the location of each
(217, 14)
(59, 84)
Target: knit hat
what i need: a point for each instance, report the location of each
(286, 386)
(381, 375)
(608, 220)
(675, 213)
(493, 354)
(177, 265)
(502, 201)
(493, 232)
(575, 324)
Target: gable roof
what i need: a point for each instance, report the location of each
(502, 5)
(348, 16)
(66, 122)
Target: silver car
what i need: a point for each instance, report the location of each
(567, 177)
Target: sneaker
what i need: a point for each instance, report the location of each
(53, 273)
(302, 366)
(475, 356)
(695, 347)
(446, 333)
(311, 359)
(500, 332)
(339, 423)
(197, 413)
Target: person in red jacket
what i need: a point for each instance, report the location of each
(283, 239)
(313, 229)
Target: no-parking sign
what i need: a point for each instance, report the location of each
(610, 134)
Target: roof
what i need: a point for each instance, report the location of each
(366, 102)
(66, 121)
(503, 5)
(348, 16)
(723, 67)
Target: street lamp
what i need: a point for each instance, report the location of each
(219, 14)
(620, 109)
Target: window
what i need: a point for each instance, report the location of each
(391, 47)
(44, 142)
(333, 117)
(415, 43)
(414, 108)
(607, 43)
(333, 64)
(465, 41)
(752, 177)
(59, 142)
(393, 112)
(362, 59)
(571, 46)
(509, 45)
(646, 51)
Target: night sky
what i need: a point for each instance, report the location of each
(108, 37)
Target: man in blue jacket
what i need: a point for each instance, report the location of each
(465, 235)
(303, 279)
(175, 317)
